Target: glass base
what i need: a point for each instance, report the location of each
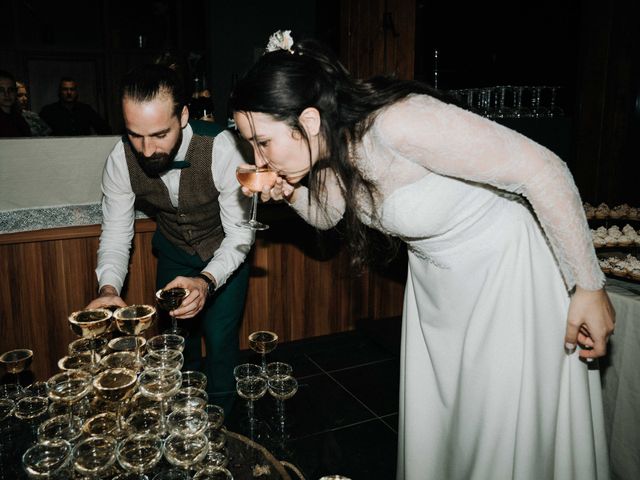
(253, 224)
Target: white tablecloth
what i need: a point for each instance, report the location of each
(621, 382)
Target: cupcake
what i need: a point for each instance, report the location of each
(624, 240)
(602, 211)
(610, 241)
(589, 210)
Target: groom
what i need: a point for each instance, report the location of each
(188, 181)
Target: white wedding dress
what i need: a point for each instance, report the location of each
(487, 391)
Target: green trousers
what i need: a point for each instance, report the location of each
(218, 322)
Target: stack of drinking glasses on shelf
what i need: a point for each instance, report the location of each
(254, 381)
(119, 408)
(511, 101)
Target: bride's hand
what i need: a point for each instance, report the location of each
(281, 190)
(590, 322)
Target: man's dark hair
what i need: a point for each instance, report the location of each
(144, 83)
(67, 79)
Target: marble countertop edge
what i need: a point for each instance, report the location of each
(41, 218)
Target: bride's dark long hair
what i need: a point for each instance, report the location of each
(283, 84)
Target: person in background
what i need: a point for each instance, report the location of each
(70, 117)
(188, 181)
(11, 122)
(504, 303)
(38, 127)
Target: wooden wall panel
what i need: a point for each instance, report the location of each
(301, 286)
(378, 37)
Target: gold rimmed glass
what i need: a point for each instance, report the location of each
(47, 459)
(69, 387)
(159, 384)
(115, 385)
(263, 342)
(91, 324)
(139, 453)
(93, 456)
(16, 361)
(134, 319)
(185, 452)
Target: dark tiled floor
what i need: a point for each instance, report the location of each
(343, 420)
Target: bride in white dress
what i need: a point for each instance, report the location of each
(503, 281)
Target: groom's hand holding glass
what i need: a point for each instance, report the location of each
(199, 290)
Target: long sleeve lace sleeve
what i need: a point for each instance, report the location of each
(329, 211)
(451, 141)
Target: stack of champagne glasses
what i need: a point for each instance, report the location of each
(119, 407)
(512, 101)
(253, 381)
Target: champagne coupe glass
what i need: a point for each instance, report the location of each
(134, 319)
(193, 378)
(81, 361)
(115, 385)
(47, 459)
(185, 451)
(187, 422)
(189, 398)
(282, 387)
(86, 345)
(143, 415)
(69, 387)
(215, 416)
(36, 389)
(159, 384)
(127, 343)
(245, 370)
(255, 179)
(213, 472)
(93, 456)
(16, 361)
(169, 300)
(105, 423)
(91, 324)
(139, 452)
(263, 342)
(31, 410)
(164, 359)
(278, 368)
(121, 360)
(166, 341)
(251, 388)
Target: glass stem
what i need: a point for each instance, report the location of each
(264, 363)
(280, 407)
(254, 207)
(163, 428)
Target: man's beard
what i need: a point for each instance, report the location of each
(158, 163)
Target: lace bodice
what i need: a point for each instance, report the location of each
(422, 136)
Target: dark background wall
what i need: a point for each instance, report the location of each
(588, 47)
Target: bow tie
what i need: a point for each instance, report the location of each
(180, 164)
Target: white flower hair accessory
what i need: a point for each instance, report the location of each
(280, 40)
